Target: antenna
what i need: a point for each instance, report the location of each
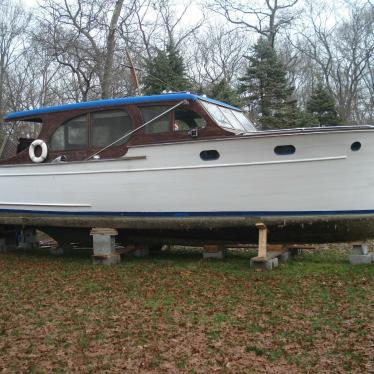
(134, 76)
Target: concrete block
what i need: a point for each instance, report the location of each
(360, 249)
(361, 259)
(285, 256)
(265, 265)
(141, 250)
(103, 244)
(106, 260)
(275, 262)
(220, 255)
(28, 239)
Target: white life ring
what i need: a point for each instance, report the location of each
(44, 154)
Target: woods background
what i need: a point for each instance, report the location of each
(286, 62)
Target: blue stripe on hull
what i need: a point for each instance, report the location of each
(196, 214)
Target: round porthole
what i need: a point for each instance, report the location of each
(356, 146)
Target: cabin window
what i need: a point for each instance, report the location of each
(185, 120)
(230, 119)
(158, 126)
(17, 136)
(71, 135)
(109, 126)
(283, 150)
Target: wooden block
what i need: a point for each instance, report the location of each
(103, 231)
(212, 248)
(277, 247)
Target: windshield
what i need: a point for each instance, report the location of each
(229, 119)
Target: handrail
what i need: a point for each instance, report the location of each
(138, 128)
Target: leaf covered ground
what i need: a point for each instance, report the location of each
(176, 313)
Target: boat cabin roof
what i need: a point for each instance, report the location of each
(178, 96)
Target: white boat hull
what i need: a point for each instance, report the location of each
(168, 187)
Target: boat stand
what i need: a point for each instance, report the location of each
(269, 255)
(104, 251)
(28, 239)
(360, 254)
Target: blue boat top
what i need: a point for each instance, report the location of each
(177, 96)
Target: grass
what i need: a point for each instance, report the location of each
(175, 312)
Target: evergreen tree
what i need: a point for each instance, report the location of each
(166, 71)
(322, 106)
(268, 90)
(224, 92)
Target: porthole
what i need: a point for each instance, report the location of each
(209, 155)
(283, 150)
(356, 146)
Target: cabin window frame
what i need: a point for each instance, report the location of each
(66, 135)
(187, 108)
(170, 116)
(209, 107)
(89, 129)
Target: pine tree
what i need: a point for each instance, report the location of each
(268, 90)
(224, 92)
(166, 71)
(322, 106)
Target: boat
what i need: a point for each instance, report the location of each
(182, 168)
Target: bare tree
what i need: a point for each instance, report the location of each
(342, 54)
(173, 22)
(110, 49)
(266, 18)
(218, 54)
(13, 24)
(84, 39)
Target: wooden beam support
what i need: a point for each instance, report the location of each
(262, 240)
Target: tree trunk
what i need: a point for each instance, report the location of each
(110, 46)
(2, 74)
